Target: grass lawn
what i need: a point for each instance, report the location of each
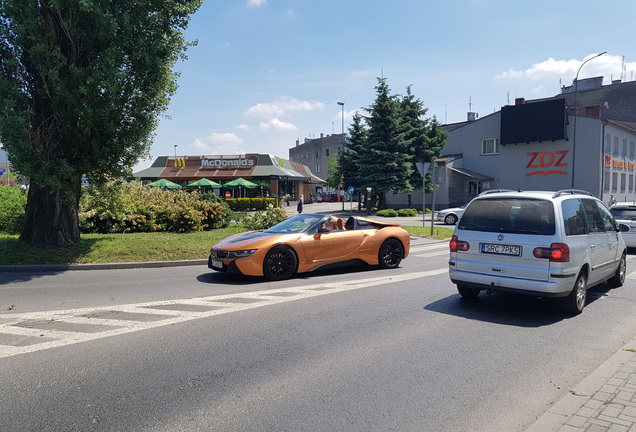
(136, 247)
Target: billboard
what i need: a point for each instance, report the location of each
(533, 122)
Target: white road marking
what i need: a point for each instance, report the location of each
(35, 331)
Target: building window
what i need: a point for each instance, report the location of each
(490, 146)
(631, 149)
(606, 181)
(608, 143)
(615, 145)
(326, 152)
(623, 181)
(614, 182)
(318, 168)
(317, 154)
(624, 148)
(631, 183)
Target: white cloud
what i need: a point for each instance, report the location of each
(243, 127)
(256, 2)
(218, 143)
(605, 65)
(276, 124)
(275, 109)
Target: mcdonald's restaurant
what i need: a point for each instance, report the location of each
(274, 176)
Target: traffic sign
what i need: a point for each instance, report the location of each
(350, 190)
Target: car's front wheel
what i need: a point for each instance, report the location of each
(280, 263)
(575, 301)
(391, 253)
(451, 219)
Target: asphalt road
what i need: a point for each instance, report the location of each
(361, 349)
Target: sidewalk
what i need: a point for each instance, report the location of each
(604, 401)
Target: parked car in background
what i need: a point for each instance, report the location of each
(450, 216)
(544, 244)
(306, 242)
(330, 198)
(625, 213)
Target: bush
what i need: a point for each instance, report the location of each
(129, 207)
(12, 204)
(387, 213)
(264, 220)
(243, 204)
(407, 212)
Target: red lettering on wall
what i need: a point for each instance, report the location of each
(547, 160)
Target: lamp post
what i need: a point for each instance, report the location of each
(6, 153)
(576, 88)
(343, 149)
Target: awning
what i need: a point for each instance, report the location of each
(471, 174)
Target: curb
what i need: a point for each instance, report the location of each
(98, 266)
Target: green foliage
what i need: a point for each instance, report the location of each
(130, 207)
(264, 220)
(242, 204)
(82, 83)
(387, 213)
(12, 203)
(407, 212)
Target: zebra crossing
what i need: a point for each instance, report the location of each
(22, 333)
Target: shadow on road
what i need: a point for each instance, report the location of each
(510, 309)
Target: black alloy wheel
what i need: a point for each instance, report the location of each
(280, 263)
(391, 253)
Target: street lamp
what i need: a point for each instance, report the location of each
(576, 88)
(6, 153)
(343, 149)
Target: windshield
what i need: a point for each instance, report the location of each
(509, 215)
(297, 224)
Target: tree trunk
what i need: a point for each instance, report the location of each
(51, 216)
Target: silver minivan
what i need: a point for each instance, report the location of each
(544, 244)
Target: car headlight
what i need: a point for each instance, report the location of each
(241, 253)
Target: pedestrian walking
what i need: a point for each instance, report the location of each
(300, 204)
(612, 200)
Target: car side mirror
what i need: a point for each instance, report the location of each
(322, 231)
(623, 228)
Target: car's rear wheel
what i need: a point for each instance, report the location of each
(391, 253)
(451, 219)
(619, 277)
(280, 263)
(467, 292)
(575, 301)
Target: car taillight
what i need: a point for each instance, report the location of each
(557, 252)
(457, 245)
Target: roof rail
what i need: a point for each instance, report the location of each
(491, 191)
(572, 192)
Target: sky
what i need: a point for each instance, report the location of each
(266, 73)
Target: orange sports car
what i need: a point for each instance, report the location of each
(307, 242)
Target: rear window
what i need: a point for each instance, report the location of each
(624, 213)
(509, 215)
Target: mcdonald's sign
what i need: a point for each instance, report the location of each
(179, 163)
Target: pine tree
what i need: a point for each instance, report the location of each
(387, 166)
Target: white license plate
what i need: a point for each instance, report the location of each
(500, 249)
(632, 229)
(217, 264)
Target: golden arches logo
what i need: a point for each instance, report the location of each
(179, 163)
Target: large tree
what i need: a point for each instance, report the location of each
(387, 164)
(82, 83)
(424, 138)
